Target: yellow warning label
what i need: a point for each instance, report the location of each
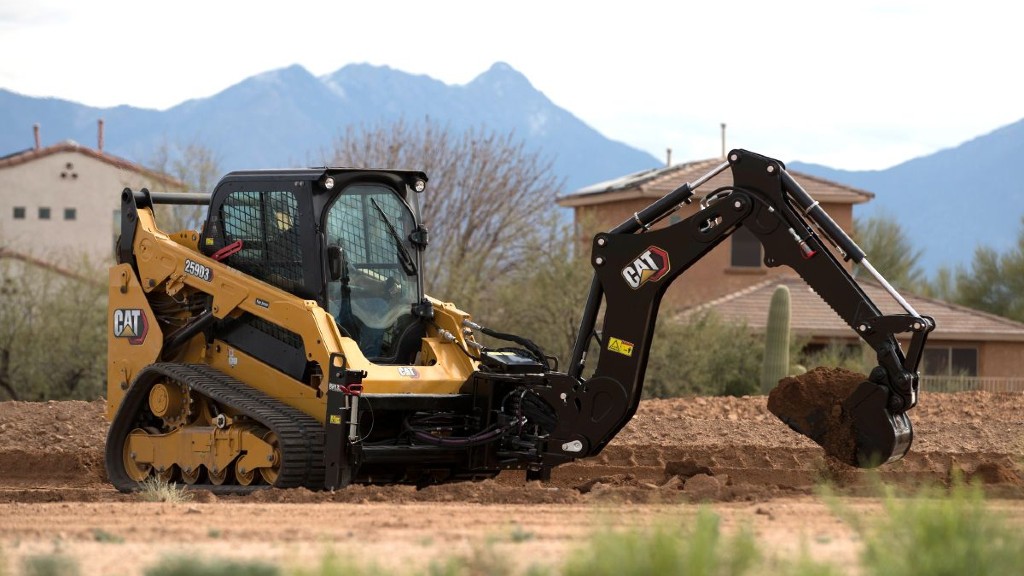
(335, 419)
(620, 346)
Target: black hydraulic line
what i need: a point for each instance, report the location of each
(524, 342)
(816, 213)
(186, 332)
(464, 442)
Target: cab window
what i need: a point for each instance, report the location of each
(372, 300)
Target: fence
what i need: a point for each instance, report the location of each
(965, 383)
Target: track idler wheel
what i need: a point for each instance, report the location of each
(271, 472)
(845, 413)
(135, 471)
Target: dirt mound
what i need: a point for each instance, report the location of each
(673, 450)
(48, 443)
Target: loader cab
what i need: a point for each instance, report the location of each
(349, 239)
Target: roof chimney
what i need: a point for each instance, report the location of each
(668, 157)
(723, 139)
(99, 135)
(35, 132)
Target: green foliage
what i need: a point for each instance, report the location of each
(52, 329)
(995, 282)
(50, 565)
(332, 565)
(702, 355)
(889, 250)
(775, 365)
(839, 355)
(101, 535)
(702, 550)
(484, 560)
(937, 534)
(195, 567)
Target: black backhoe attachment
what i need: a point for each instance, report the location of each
(634, 265)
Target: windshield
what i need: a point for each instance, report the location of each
(372, 301)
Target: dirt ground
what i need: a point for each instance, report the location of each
(676, 456)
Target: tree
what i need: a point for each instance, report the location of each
(544, 302)
(197, 168)
(703, 355)
(994, 282)
(486, 196)
(889, 250)
(52, 330)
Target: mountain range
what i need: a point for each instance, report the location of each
(948, 203)
(289, 117)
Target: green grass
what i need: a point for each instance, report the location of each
(193, 567)
(938, 533)
(101, 535)
(701, 550)
(50, 565)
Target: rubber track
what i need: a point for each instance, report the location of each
(300, 436)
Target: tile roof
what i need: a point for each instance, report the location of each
(657, 182)
(811, 316)
(31, 154)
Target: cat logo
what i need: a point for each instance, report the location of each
(650, 266)
(131, 323)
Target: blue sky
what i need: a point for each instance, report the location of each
(855, 85)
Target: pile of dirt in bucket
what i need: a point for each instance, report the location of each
(812, 404)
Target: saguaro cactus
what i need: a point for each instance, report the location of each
(776, 341)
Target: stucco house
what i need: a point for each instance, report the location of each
(968, 349)
(62, 202)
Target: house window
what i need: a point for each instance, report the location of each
(746, 249)
(44, 213)
(70, 214)
(19, 212)
(949, 361)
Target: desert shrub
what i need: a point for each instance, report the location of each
(195, 567)
(937, 534)
(157, 490)
(703, 355)
(840, 355)
(52, 329)
(50, 565)
(700, 550)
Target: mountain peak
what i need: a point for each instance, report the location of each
(501, 76)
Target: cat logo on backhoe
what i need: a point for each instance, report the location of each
(131, 323)
(650, 266)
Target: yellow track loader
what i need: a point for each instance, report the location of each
(290, 343)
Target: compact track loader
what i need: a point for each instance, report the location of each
(290, 343)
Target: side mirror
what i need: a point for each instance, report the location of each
(335, 262)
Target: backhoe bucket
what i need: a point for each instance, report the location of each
(845, 413)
